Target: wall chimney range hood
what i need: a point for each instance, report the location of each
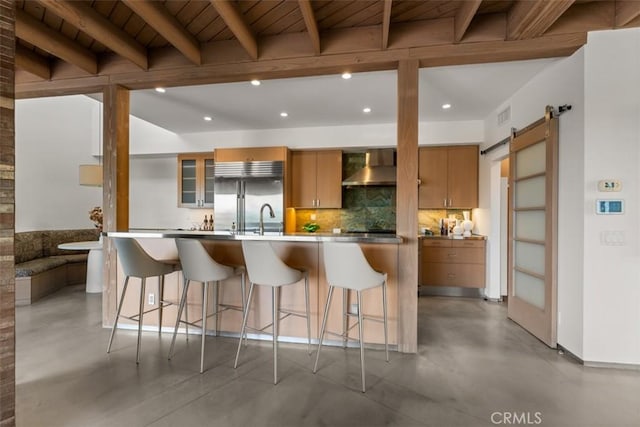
(379, 169)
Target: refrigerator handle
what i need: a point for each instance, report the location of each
(238, 207)
(241, 216)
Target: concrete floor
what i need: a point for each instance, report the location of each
(474, 368)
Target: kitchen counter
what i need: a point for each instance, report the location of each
(270, 236)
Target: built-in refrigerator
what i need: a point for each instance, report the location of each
(241, 189)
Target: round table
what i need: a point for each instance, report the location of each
(94, 262)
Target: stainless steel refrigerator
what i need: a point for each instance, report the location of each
(241, 189)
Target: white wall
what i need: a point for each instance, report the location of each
(53, 137)
(612, 150)
(561, 83)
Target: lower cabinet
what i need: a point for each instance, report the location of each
(451, 262)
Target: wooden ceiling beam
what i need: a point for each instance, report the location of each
(310, 21)
(82, 16)
(386, 23)
(626, 11)
(158, 17)
(173, 74)
(32, 63)
(238, 27)
(463, 18)
(35, 32)
(529, 19)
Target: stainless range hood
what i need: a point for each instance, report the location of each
(379, 169)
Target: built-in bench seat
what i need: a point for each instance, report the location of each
(42, 268)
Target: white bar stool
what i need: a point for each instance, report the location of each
(198, 266)
(346, 267)
(138, 263)
(264, 267)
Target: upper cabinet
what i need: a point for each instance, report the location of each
(250, 154)
(195, 180)
(448, 177)
(316, 179)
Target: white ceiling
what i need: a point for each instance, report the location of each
(474, 91)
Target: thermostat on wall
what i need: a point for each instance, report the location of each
(609, 185)
(610, 207)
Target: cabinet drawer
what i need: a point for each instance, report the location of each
(453, 255)
(467, 243)
(437, 243)
(443, 274)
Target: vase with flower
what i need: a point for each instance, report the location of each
(96, 216)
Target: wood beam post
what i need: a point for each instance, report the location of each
(310, 21)
(407, 205)
(115, 187)
(32, 63)
(82, 16)
(7, 216)
(238, 27)
(386, 23)
(159, 18)
(33, 31)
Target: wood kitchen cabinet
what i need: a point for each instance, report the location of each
(251, 154)
(453, 262)
(195, 180)
(448, 177)
(316, 179)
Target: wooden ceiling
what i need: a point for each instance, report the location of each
(79, 46)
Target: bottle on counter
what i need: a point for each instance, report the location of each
(443, 228)
(211, 222)
(205, 224)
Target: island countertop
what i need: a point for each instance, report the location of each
(269, 236)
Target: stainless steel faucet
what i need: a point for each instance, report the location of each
(272, 214)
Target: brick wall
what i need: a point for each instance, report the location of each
(7, 223)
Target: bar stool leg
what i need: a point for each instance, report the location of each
(361, 332)
(244, 324)
(345, 317)
(205, 297)
(322, 328)
(161, 302)
(142, 295)
(115, 322)
(216, 298)
(244, 301)
(384, 308)
(306, 299)
(180, 310)
(276, 318)
(186, 312)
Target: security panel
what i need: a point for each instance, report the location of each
(610, 207)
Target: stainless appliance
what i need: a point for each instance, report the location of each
(241, 188)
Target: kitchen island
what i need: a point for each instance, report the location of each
(299, 250)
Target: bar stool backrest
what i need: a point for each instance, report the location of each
(265, 267)
(136, 262)
(346, 267)
(198, 265)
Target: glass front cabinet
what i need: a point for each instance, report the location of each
(195, 180)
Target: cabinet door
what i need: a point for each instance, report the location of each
(195, 180)
(432, 172)
(329, 179)
(250, 154)
(303, 179)
(187, 182)
(462, 176)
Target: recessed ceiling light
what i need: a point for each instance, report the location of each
(255, 82)
(446, 106)
(160, 90)
(346, 76)
(207, 118)
(284, 114)
(366, 110)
